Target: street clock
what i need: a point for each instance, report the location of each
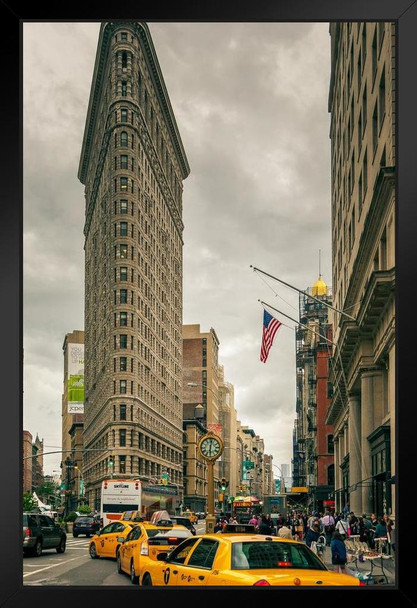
(210, 446)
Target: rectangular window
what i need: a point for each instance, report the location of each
(375, 128)
(123, 296)
(123, 206)
(123, 139)
(123, 340)
(122, 411)
(374, 56)
(123, 36)
(123, 364)
(123, 273)
(381, 99)
(123, 161)
(124, 89)
(123, 115)
(123, 183)
(122, 464)
(123, 228)
(122, 387)
(123, 251)
(123, 319)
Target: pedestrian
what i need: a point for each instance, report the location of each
(253, 520)
(346, 509)
(328, 524)
(264, 527)
(342, 527)
(299, 526)
(381, 534)
(353, 523)
(284, 531)
(380, 529)
(389, 525)
(270, 524)
(313, 532)
(339, 555)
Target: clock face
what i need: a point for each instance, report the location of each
(210, 447)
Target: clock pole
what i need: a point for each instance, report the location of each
(210, 519)
(210, 447)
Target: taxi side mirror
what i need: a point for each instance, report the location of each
(162, 557)
(121, 539)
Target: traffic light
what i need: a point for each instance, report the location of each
(111, 461)
(224, 483)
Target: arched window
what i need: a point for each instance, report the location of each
(123, 139)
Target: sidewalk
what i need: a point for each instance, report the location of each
(365, 567)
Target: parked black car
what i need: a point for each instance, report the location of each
(85, 524)
(41, 532)
(183, 521)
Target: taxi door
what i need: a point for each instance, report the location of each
(129, 548)
(108, 540)
(167, 573)
(197, 566)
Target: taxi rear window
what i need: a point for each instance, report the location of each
(273, 555)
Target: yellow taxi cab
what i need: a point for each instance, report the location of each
(235, 559)
(145, 541)
(191, 516)
(134, 516)
(105, 543)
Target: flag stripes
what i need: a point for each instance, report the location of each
(270, 328)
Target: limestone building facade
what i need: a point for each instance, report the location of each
(362, 410)
(132, 165)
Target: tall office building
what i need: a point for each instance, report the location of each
(132, 165)
(313, 451)
(362, 410)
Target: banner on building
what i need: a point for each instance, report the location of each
(215, 428)
(75, 382)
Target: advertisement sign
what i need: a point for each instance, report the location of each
(215, 428)
(75, 382)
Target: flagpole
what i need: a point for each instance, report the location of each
(341, 312)
(298, 323)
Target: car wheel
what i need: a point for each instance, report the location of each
(147, 581)
(93, 551)
(133, 577)
(61, 547)
(75, 534)
(37, 549)
(119, 564)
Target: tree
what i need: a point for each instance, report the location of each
(29, 502)
(84, 509)
(46, 489)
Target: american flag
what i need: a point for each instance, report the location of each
(270, 328)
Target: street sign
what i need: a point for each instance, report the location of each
(248, 464)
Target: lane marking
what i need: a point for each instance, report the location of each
(53, 566)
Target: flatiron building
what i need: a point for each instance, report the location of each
(132, 166)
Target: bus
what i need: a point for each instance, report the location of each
(243, 508)
(119, 495)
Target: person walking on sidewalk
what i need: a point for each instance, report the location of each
(328, 524)
(342, 527)
(339, 555)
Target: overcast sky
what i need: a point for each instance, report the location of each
(250, 101)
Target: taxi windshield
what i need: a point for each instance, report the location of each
(273, 555)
